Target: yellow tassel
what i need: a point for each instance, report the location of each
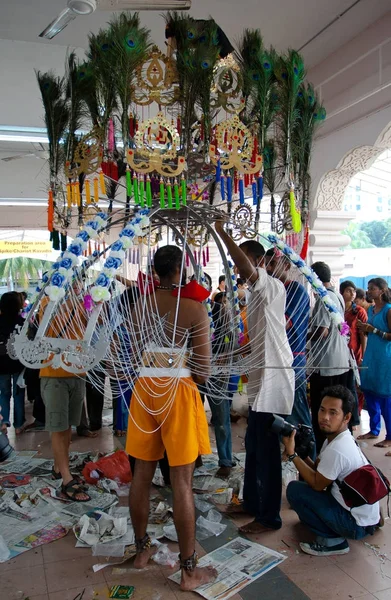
(74, 198)
(295, 215)
(69, 195)
(78, 195)
(88, 192)
(96, 190)
(102, 183)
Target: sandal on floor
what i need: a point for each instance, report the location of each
(56, 476)
(72, 489)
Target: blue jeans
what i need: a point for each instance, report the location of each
(378, 406)
(222, 426)
(262, 474)
(324, 515)
(301, 411)
(9, 388)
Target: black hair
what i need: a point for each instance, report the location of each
(167, 260)
(346, 284)
(24, 294)
(239, 281)
(383, 285)
(218, 299)
(360, 294)
(323, 271)
(10, 305)
(341, 393)
(208, 280)
(221, 279)
(254, 249)
(270, 252)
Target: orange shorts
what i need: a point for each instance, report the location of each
(181, 430)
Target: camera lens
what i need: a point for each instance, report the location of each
(280, 426)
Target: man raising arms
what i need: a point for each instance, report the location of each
(270, 387)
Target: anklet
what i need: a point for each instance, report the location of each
(143, 544)
(189, 564)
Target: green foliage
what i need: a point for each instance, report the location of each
(379, 233)
(21, 269)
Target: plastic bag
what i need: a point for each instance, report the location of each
(201, 504)
(114, 466)
(214, 516)
(289, 472)
(164, 556)
(206, 529)
(170, 533)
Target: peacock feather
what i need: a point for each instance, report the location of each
(289, 71)
(56, 116)
(310, 115)
(257, 65)
(74, 88)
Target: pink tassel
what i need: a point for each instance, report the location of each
(187, 260)
(110, 140)
(203, 258)
(207, 254)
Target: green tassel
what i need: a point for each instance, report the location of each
(149, 193)
(141, 192)
(169, 195)
(135, 189)
(129, 189)
(184, 192)
(162, 199)
(176, 195)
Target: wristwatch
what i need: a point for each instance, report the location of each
(375, 330)
(292, 457)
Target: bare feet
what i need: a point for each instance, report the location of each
(194, 579)
(368, 436)
(142, 558)
(223, 472)
(19, 430)
(119, 433)
(255, 527)
(383, 444)
(234, 509)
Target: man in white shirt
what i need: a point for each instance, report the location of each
(271, 384)
(329, 351)
(324, 511)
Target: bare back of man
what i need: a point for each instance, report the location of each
(183, 433)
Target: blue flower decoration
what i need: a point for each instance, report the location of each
(93, 224)
(102, 215)
(300, 263)
(103, 280)
(45, 278)
(66, 263)
(56, 265)
(58, 280)
(83, 235)
(75, 249)
(113, 263)
(117, 246)
(127, 233)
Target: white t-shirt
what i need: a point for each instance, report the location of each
(337, 460)
(269, 390)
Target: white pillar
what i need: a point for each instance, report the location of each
(326, 239)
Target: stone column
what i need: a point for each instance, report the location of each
(326, 239)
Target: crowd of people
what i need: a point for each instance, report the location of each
(278, 324)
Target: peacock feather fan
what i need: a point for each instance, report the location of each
(257, 66)
(289, 71)
(129, 47)
(197, 52)
(74, 94)
(310, 115)
(54, 100)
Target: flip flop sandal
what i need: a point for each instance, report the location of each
(72, 489)
(56, 476)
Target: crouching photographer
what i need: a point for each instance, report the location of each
(332, 509)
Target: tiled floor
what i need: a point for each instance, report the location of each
(59, 571)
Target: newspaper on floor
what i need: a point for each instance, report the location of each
(238, 564)
(99, 528)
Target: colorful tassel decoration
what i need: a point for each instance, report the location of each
(69, 195)
(148, 192)
(229, 188)
(102, 183)
(260, 187)
(241, 190)
(306, 242)
(222, 187)
(295, 215)
(141, 192)
(129, 188)
(135, 189)
(96, 190)
(176, 195)
(169, 195)
(184, 191)
(88, 192)
(218, 171)
(50, 211)
(254, 189)
(162, 198)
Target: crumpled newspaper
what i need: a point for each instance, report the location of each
(99, 527)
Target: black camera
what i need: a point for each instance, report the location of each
(304, 438)
(5, 448)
